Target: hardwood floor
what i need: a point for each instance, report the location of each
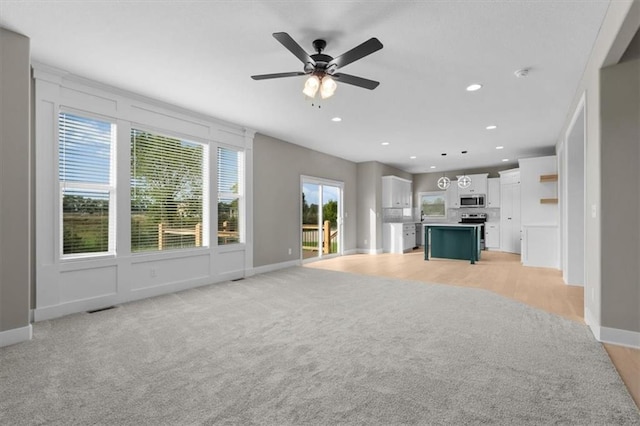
(499, 272)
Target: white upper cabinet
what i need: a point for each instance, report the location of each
(493, 193)
(396, 192)
(478, 185)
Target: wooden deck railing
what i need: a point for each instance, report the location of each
(311, 236)
(163, 231)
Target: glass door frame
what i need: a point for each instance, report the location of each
(340, 222)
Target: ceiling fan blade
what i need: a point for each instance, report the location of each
(356, 81)
(278, 75)
(358, 52)
(286, 40)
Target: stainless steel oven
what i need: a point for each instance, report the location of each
(475, 218)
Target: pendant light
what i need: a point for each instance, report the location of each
(464, 181)
(444, 182)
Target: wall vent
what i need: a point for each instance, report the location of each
(101, 309)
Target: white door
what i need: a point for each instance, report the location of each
(510, 218)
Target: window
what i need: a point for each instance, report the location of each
(168, 178)
(230, 172)
(86, 148)
(433, 204)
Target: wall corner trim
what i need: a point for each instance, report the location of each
(16, 335)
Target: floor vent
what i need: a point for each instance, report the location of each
(101, 309)
(238, 279)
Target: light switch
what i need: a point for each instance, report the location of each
(593, 211)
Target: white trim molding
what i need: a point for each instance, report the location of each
(65, 286)
(16, 335)
(275, 266)
(614, 336)
(369, 251)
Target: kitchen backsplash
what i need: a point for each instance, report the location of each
(453, 215)
(493, 215)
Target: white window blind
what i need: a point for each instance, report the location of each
(230, 192)
(167, 181)
(86, 149)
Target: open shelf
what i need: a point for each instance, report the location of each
(548, 201)
(549, 178)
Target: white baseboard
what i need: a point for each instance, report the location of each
(46, 313)
(350, 252)
(275, 266)
(370, 251)
(16, 335)
(614, 336)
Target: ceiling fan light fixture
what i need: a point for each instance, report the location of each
(327, 87)
(311, 86)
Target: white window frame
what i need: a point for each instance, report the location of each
(206, 177)
(82, 186)
(240, 195)
(443, 194)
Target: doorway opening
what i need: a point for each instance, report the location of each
(321, 218)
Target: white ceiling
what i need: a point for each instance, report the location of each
(201, 54)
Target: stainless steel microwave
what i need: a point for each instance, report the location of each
(472, 200)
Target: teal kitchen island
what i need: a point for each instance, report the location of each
(452, 241)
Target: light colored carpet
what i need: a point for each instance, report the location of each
(308, 346)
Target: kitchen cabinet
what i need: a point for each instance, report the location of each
(540, 245)
(478, 185)
(398, 237)
(493, 193)
(510, 233)
(453, 199)
(492, 235)
(396, 192)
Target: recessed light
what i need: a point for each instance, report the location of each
(492, 127)
(505, 159)
(413, 157)
(500, 147)
(443, 154)
(464, 152)
(432, 167)
(336, 119)
(384, 143)
(473, 87)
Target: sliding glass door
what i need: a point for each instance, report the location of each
(321, 209)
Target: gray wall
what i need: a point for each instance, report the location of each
(620, 196)
(14, 180)
(616, 33)
(369, 193)
(277, 167)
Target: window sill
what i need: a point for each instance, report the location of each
(228, 248)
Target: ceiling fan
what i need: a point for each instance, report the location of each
(323, 69)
